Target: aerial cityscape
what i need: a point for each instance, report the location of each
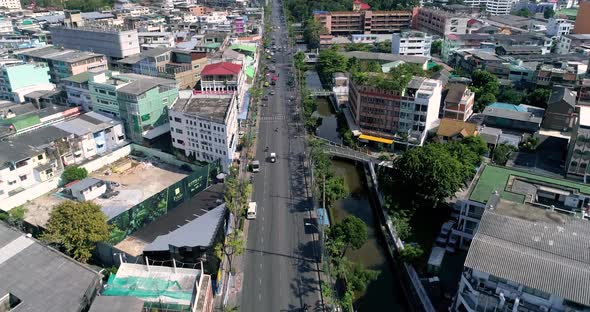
(294, 155)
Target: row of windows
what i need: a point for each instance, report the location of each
(194, 123)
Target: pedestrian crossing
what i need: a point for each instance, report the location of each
(273, 117)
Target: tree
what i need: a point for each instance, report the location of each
(436, 47)
(548, 13)
(330, 62)
(431, 171)
(484, 81)
(233, 245)
(73, 173)
(335, 189)
(511, 96)
(411, 253)
(538, 97)
(311, 33)
(523, 12)
(350, 233)
(483, 99)
(501, 154)
(77, 227)
(383, 46)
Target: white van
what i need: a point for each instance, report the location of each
(251, 214)
(256, 166)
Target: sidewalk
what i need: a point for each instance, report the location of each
(231, 287)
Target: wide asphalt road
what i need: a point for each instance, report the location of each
(280, 269)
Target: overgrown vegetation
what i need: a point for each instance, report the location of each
(73, 173)
(418, 183)
(14, 217)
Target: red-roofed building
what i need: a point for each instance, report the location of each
(358, 5)
(221, 77)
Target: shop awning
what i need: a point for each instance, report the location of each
(375, 139)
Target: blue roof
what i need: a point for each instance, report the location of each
(323, 218)
(244, 112)
(508, 106)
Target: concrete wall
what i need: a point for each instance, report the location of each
(29, 194)
(107, 159)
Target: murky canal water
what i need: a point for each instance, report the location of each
(383, 294)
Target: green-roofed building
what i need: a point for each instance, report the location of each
(517, 193)
(249, 50)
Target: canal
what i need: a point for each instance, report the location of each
(328, 128)
(385, 291)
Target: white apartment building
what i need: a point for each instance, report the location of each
(11, 4)
(205, 126)
(148, 40)
(38, 156)
(77, 91)
(499, 7)
(6, 25)
(558, 27)
(411, 43)
(112, 42)
(579, 145)
(526, 262)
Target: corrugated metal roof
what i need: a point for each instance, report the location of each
(551, 257)
(197, 233)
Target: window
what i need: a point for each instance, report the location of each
(23, 177)
(179, 131)
(170, 118)
(40, 157)
(173, 140)
(180, 142)
(496, 279)
(535, 292)
(177, 119)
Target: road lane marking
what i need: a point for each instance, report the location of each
(259, 297)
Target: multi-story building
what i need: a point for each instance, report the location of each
(570, 42)
(18, 79)
(559, 27)
(40, 155)
(205, 126)
(563, 73)
(517, 118)
(141, 102)
(11, 4)
(529, 252)
(6, 26)
(23, 118)
(411, 43)
(499, 7)
(77, 91)
(579, 146)
(339, 23)
(149, 40)
(64, 63)
(403, 115)
(440, 22)
(112, 42)
(515, 187)
(183, 66)
(582, 24)
(222, 77)
(560, 114)
(458, 104)
(76, 283)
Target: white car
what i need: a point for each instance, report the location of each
(273, 157)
